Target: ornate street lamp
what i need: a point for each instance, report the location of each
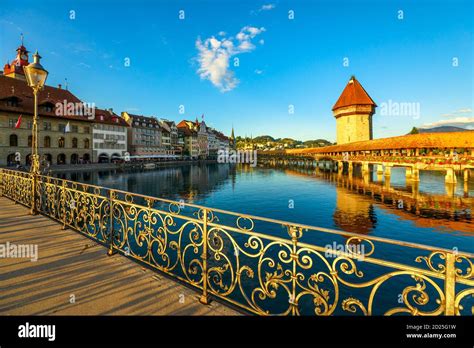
(36, 77)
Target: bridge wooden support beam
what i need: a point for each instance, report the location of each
(388, 171)
(466, 174)
(408, 173)
(450, 177)
(365, 167)
(379, 169)
(340, 167)
(415, 174)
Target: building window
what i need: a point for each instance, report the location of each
(30, 140)
(47, 141)
(47, 125)
(61, 127)
(86, 143)
(12, 102)
(12, 123)
(13, 140)
(61, 142)
(86, 130)
(74, 143)
(74, 129)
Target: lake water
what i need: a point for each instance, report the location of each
(307, 196)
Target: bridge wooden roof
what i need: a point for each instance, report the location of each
(411, 141)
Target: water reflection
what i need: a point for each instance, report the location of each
(353, 214)
(392, 208)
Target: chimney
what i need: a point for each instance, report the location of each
(111, 111)
(59, 86)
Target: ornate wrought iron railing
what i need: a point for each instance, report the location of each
(260, 265)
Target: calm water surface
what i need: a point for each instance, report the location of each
(313, 198)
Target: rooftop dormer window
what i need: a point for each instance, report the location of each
(12, 101)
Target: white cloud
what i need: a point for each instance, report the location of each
(456, 113)
(465, 122)
(258, 72)
(464, 111)
(267, 7)
(214, 56)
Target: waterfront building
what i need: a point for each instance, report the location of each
(180, 142)
(223, 141)
(176, 147)
(144, 136)
(65, 135)
(213, 142)
(189, 131)
(166, 138)
(203, 139)
(353, 112)
(109, 134)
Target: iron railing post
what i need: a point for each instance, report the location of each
(1, 182)
(33, 193)
(111, 250)
(205, 296)
(293, 231)
(63, 202)
(450, 283)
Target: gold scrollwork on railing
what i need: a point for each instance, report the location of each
(224, 255)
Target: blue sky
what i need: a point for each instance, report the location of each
(423, 60)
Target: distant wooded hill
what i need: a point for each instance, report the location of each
(440, 129)
(267, 141)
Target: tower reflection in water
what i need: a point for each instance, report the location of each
(360, 204)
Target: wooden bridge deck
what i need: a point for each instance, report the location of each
(71, 265)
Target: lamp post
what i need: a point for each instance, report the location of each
(36, 77)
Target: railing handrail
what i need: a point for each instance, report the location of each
(270, 220)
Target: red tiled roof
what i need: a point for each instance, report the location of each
(109, 118)
(184, 127)
(11, 87)
(353, 94)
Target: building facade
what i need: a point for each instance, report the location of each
(109, 133)
(203, 139)
(189, 131)
(144, 136)
(64, 134)
(176, 146)
(353, 112)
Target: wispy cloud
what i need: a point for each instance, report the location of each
(3, 21)
(79, 48)
(84, 65)
(456, 113)
(464, 122)
(214, 56)
(266, 7)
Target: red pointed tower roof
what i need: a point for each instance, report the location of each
(353, 94)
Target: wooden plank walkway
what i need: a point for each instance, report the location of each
(70, 266)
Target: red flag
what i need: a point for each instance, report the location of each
(18, 123)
